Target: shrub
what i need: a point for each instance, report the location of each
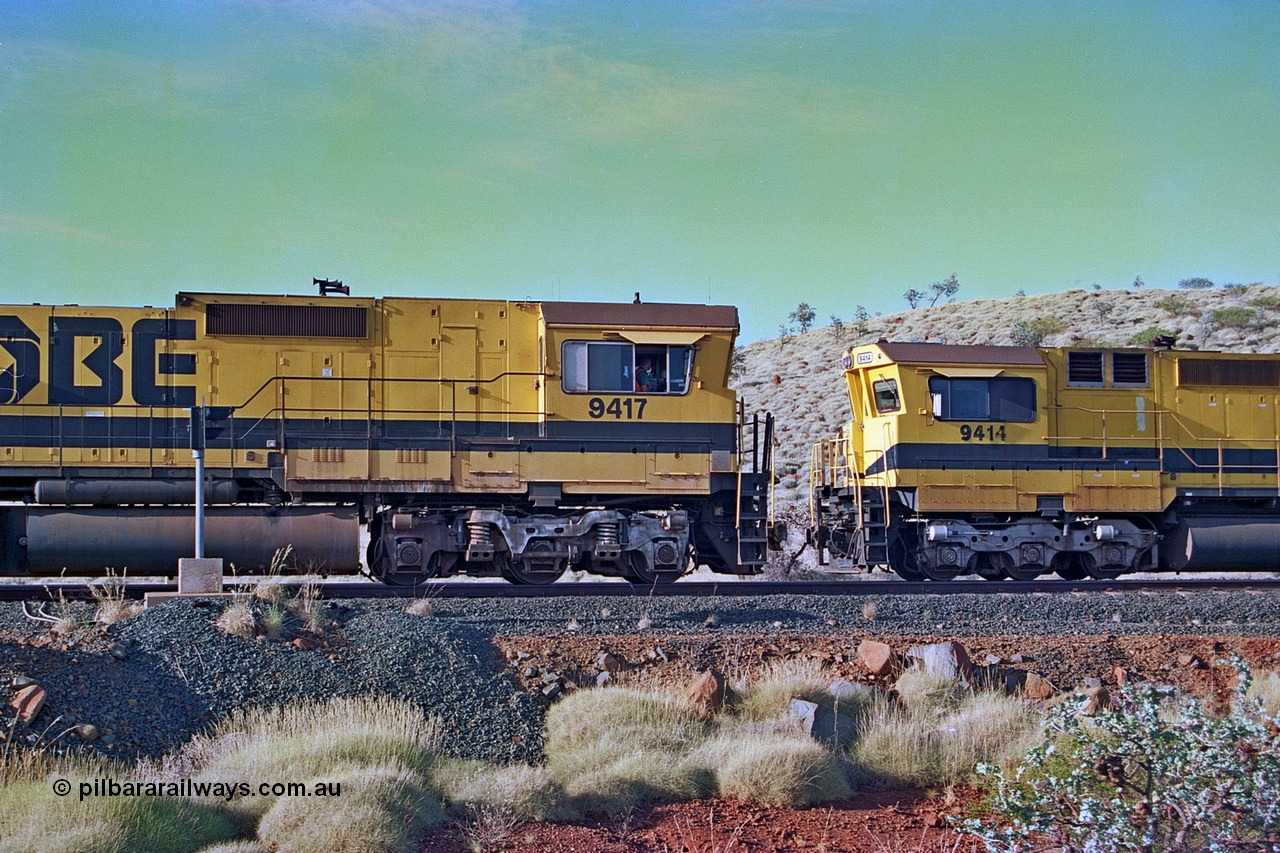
(1266, 302)
(1145, 337)
(1235, 317)
(1175, 304)
(1031, 333)
(1154, 775)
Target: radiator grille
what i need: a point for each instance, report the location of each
(286, 321)
(1230, 372)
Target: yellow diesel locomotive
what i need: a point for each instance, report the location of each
(1013, 462)
(486, 437)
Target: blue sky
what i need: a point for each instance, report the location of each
(754, 153)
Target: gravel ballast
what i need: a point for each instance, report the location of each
(150, 682)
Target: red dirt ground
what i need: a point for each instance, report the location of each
(896, 821)
(902, 821)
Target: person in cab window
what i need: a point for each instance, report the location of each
(645, 382)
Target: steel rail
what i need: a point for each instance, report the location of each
(698, 589)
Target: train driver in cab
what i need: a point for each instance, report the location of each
(647, 379)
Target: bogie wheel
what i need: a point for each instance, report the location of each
(536, 567)
(640, 572)
(903, 562)
(1105, 573)
(990, 567)
(1071, 567)
(1023, 572)
(941, 573)
(388, 575)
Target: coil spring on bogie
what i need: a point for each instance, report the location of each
(607, 534)
(480, 536)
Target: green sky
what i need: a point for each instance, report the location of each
(755, 153)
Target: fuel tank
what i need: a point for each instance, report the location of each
(150, 541)
(1223, 543)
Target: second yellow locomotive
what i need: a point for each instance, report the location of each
(1013, 462)
(488, 437)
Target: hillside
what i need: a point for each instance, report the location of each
(799, 378)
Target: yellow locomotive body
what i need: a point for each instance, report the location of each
(477, 436)
(1014, 462)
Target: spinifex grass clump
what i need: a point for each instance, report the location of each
(1155, 774)
(38, 814)
(617, 747)
(382, 753)
(939, 732)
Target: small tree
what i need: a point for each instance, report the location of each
(784, 335)
(837, 327)
(914, 297)
(860, 320)
(803, 316)
(1138, 283)
(1195, 284)
(947, 288)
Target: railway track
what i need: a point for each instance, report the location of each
(698, 589)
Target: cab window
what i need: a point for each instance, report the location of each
(886, 395)
(1000, 398)
(590, 367)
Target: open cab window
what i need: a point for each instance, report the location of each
(591, 367)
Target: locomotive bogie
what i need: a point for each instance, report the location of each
(531, 548)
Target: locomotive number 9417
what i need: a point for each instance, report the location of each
(617, 407)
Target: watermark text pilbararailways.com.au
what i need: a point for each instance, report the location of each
(194, 788)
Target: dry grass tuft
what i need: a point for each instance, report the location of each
(923, 746)
(1266, 689)
(615, 748)
(305, 741)
(928, 693)
(768, 697)
(420, 607)
(238, 620)
(112, 606)
(524, 792)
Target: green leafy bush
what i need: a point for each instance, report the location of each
(1031, 333)
(1266, 302)
(1176, 304)
(1235, 317)
(1147, 335)
(1157, 773)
